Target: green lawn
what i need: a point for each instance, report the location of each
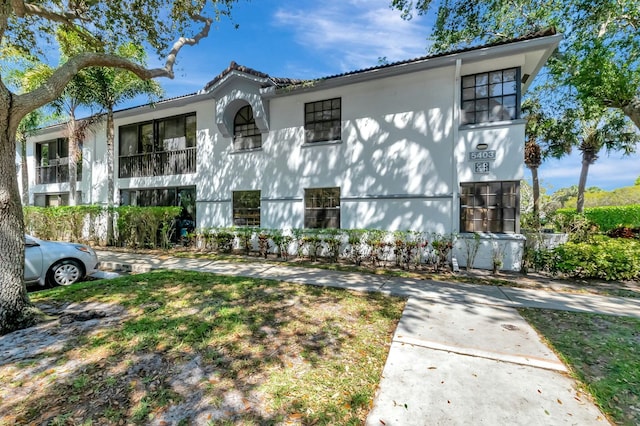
(196, 347)
(603, 353)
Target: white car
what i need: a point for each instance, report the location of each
(57, 263)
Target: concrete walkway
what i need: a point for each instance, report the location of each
(461, 353)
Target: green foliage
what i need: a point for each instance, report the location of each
(605, 258)
(355, 249)
(598, 62)
(607, 217)
(618, 197)
(63, 223)
(282, 242)
(223, 239)
(148, 227)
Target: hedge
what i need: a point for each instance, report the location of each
(605, 258)
(608, 217)
(149, 227)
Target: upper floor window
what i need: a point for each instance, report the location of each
(322, 208)
(490, 207)
(166, 134)
(246, 134)
(491, 96)
(160, 147)
(322, 120)
(52, 159)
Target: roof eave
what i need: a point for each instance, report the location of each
(549, 43)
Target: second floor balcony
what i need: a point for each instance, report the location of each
(55, 173)
(161, 163)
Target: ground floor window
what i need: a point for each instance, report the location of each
(183, 196)
(54, 200)
(246, 208)
(490, 207)
(322, 208)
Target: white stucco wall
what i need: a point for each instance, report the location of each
(399, 162)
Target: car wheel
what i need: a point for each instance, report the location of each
(66, 272)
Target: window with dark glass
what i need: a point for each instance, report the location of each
(491, 96)
(322, 120)
(322, 208)
(183, 196)
(246, 208)
(490, 207)
(159, 147)
(246, 134)
(52, 161)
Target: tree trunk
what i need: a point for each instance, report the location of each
(25, 171)
(110, 176)
(16, 310)
(587, 160)
(536, 195)
(73, 154)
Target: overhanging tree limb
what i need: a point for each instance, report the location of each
(54, 85)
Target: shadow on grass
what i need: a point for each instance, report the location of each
(189, 347)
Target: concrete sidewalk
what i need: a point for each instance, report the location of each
(461, 353)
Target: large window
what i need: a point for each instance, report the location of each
(490, 207)
(160, 147)
(54, 200)
(246, 134)
(491, 96)
(52, 159)
(184, 196)
(322, 120)
(246, 208)
(322, 208)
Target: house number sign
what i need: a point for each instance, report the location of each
(483, 167)
(482, 155)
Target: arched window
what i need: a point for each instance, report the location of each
(246, 134)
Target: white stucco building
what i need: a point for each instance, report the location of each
(429, 144)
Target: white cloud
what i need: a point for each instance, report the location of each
(355, 33)
(610, 171)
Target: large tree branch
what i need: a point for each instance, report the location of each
(53, 87)
(183, 41)
(21, 9)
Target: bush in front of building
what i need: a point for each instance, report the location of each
(64, 223)
(605, 258)
(137, 227)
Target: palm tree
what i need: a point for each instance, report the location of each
(28, 125)
(110, 87)
(591, 130)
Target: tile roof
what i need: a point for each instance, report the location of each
(284, 82)
(539, 34)
(233, 66)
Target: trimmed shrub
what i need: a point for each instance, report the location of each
(606, 217)
(605, 258)
(148, 227)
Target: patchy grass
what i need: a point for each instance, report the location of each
(603, 353)
(196, 348)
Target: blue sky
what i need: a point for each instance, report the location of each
(310, 39)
